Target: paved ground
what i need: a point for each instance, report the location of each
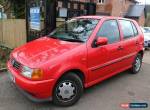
(108, 95)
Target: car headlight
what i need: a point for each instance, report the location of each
(34, 74)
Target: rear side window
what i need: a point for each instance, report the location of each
(110, 30)
(134, 29)
(127, 29)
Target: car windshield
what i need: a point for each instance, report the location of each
(75, 30)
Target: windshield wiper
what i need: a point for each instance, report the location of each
(71, 40)
(54, 37)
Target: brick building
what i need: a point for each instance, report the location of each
(138, 13)
(122, 8)
(113, 7)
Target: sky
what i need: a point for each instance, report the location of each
(144, 1)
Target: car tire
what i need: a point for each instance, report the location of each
(68, 90)
(137, 64)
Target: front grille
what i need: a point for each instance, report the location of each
(15, 64)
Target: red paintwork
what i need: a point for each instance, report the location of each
(56, 57)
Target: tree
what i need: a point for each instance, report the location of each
(1, 2)
(6, 4)
(19, 8)
(15, 6)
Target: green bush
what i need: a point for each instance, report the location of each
(4, 56)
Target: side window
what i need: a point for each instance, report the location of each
(110, 30)
(134, 29)
(127, 29)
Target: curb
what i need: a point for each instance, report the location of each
(3, 70)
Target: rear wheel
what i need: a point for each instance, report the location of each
(68, 90)
(137, 64)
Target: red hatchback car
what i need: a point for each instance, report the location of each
(78, 54)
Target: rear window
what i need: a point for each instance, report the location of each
(134, 29)
(127, 29)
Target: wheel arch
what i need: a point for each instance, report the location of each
(141, 52)
(78, 72)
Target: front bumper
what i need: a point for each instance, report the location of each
(30, 97)
(37, 91)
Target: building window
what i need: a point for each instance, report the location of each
(101, 1)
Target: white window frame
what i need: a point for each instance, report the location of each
(101, 1)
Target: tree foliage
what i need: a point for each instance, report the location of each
(16, 6)
(1, 2)
(19, 8)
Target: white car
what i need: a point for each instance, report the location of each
(146, 40)
(146, 32)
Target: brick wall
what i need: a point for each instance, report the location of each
(120, 7)
(114, 7)
(105, 8)
(100, 8)
(141, 20)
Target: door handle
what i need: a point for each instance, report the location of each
(120, 48)
(136, 42)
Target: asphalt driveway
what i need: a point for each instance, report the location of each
(108, 95)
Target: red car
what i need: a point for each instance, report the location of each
(78, 54)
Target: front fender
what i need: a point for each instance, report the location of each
(67, 67)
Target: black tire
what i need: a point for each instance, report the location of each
(135, 69)
(76, 90)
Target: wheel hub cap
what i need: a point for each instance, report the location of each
(66, 90)
(137, 64)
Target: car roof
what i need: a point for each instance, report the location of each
(92, 17)
(102, 17)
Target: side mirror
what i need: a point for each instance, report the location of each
(101, 41)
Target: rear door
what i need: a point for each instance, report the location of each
(137, 36)
(129, 42)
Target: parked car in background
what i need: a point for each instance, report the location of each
(78, 54)
(146, 32)
(146, 29)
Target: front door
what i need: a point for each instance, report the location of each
(103, 59)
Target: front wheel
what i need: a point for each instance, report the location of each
(68, 90)
(137, 64)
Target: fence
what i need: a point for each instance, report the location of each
(12, 32)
